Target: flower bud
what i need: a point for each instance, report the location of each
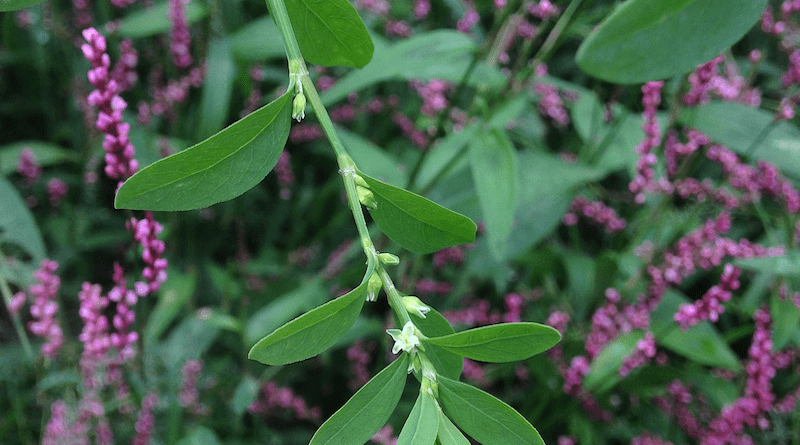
(415, 306)
(360, 181)
(374, 285)
(389, 259)
(366, 197)
(299, 107)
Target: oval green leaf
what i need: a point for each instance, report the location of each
(422, 424)
(312, 332)
(368, 410)
(646, 40)
(155, 19)
(416, 223)
(15, 5)
(494, 171)
(330, 32)
(484, 417)
(449, 434)
(500, 343)
(218, 169)
(446, 363)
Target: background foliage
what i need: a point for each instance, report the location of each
(624, 215)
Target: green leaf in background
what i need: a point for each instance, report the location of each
(172, 299)
(785, 321)
(646, 40)
(446, 363)
(46, 154)
(416, 223)
(484, 417)
(154, 19)
(306, 296)
(200, 436)
(17, 225)
(312, 332)
(372, 159)
(440, 54)
(258, 40)
(368, 410)
(217, 88)
(604, 374)
(445, 153)
(701, 343)
(244, 394)
(494, 170)
(14, 5)
(500, 343)
(449, 434)
(787, 265)
(748, 131)
(330, 32)
(218, 169)
(422, 424)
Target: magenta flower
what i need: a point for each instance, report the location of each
(180, 38)
(120, 163)
(45, 308)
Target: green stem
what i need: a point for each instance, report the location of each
(394, 297)
(6, 291)
(278, 10)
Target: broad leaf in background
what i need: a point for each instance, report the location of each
(258, 40)
(446, 363)
(305, 297)
(46, 153)
(218, 169)
(441, 54)
(312, 332)
(604, 374)
(201, 435)
(372, 160)
(646, 40)
(217, 88)
(785, 321)
(416, 223)
(506, 342)
(172, 299)
(14, 5)
(154, 19)
(17, 225)
(449, 434)
(484, 417)
(748, 131)
(701, 343)
(368, 410)
(494, 171)
(787, 265)
(330, 32)
(422, 424)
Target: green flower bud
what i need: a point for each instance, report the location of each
(366, 197)
(361, 182)
(415, 306)
(299, 107)
(374, 285)
(389, 259)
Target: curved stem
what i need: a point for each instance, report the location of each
(6, 291)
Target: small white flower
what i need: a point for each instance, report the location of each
(405, 340)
